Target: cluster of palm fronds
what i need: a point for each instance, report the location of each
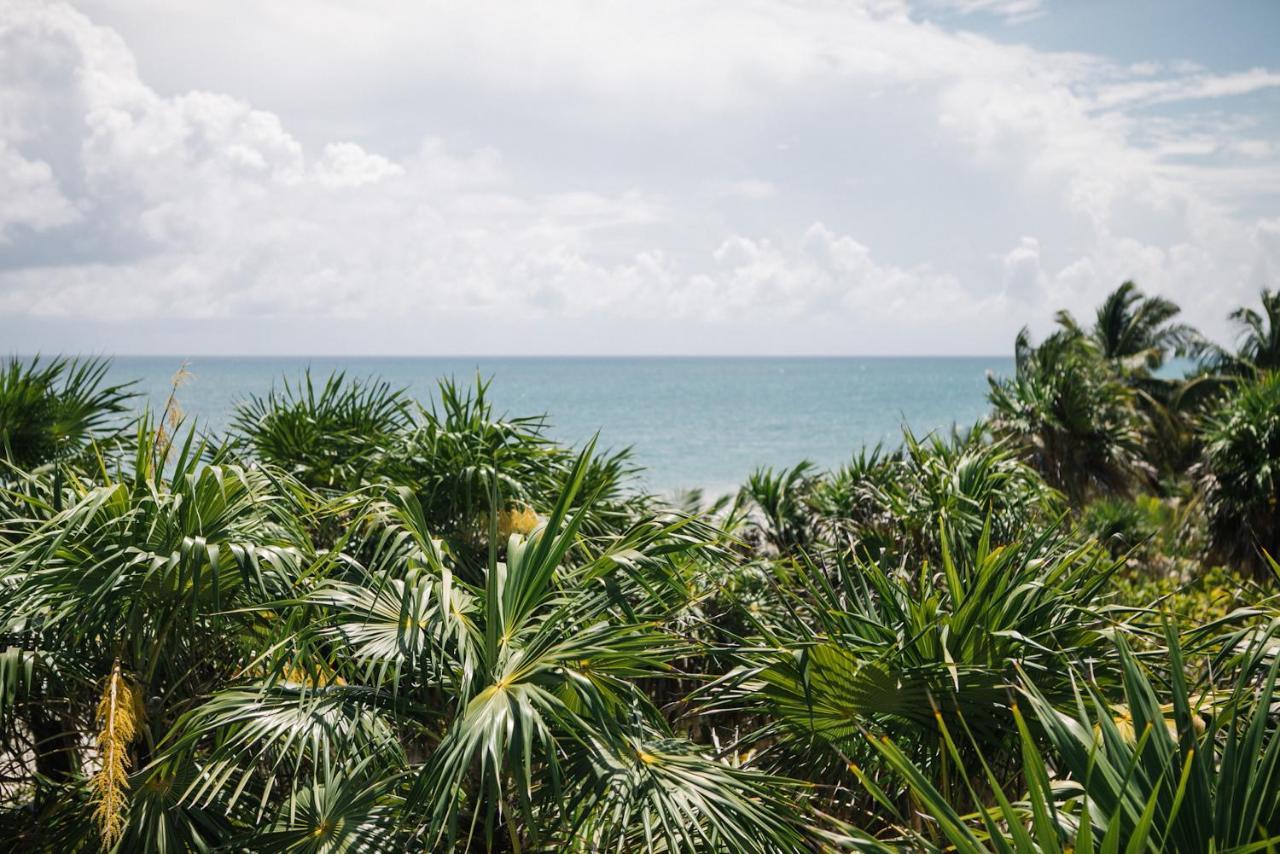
(360, 623)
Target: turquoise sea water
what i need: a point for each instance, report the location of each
(692, 422)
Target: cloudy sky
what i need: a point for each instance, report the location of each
(754, 176)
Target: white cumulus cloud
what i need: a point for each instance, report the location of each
(584, 178)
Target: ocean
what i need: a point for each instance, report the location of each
(691, 422)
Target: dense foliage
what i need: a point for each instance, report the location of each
(358, 622)
(52, 409)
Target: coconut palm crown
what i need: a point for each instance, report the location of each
(1134, 329)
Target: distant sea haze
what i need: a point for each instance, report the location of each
(692, 421)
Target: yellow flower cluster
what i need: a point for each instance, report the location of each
(118, 714)
(516, 519)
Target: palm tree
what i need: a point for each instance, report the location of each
(367, 624)
(778, 503)
(1135, 330)
(505, 712)
(863, 648)
(1258, 345)
(1071, 417)
(329, 437)
(250, 690)
(1200, 772)
(458, 445)
(52, 410)
(890, 503)
(968, 485)
(1136, 334)
(128, 593)
(1239, 473)
(849, 501)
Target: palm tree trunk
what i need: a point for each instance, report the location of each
(55, 745)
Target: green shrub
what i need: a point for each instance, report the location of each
(332, 436)
(1239, 475)
(1197, 772)
(865, 648)
(1120, 525)
(51, 410)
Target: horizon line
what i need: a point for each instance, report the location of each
(101, 354)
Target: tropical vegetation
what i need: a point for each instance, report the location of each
(361, 622)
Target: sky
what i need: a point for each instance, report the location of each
(773, 177)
